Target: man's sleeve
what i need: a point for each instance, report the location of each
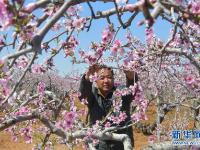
(85, 88)
(127, 99)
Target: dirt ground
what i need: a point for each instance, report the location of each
(141, 140)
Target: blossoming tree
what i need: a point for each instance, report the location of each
(30, 94)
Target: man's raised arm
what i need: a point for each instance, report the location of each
(85, 84)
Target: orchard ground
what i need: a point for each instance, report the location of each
(141, 140)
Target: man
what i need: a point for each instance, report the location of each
(100, 100)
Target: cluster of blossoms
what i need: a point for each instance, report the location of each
(117, 48)
(74, 10)
(192, 30)
(28, 32)
(38, 69)
(117, 118)
(141, 103)
(12, 130)
(30, 7)
(70, 46)
(5, 78)
(27, 134)
(180, 42)
(22, 111)
(117, 103)
(79, 23)
(41, 88)
(16, 97)
(68, 120)
(92, 57)
(75, 23)
(21, 62)
(72, 21)
(134, 60)
(107, 35)
(193, 82)
(89, 57)
(97, 50)
(6, 16)
(195, 7)
(4, 88)
(90, 131)
(149, 36)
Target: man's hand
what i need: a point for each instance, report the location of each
(130, 74)
(91, 70)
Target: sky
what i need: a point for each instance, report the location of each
(64, 65)
(161, 28)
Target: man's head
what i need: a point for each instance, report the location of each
(105, 80)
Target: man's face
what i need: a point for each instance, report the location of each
(105, 80)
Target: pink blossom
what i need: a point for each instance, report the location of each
(56, 26)
(15, 138)
(149, 35)
(22, 62)
(73, 10)
(121, 51)
(69, 52)
(194, 147)
(22, 111)
(48, 146)
(152, 139)
(122, 116)
(68, 124)
(69, 119)
(30, 7)
(179, 2)
(114, 119)
(84, 101)
(70, 116)
(96, 126)
(190, 79)
(6, 17)
(79, 23)
(70, 46)
(90, 59)
(107, 35)
(117, 105)
(117, 119)
(152, 1)
(139, 116)
(68, 24)
(28, 32)
(138, 96)
(38, 69)
(95, 142)
(117, 48)
(195, 7)
(107, 125)
(4, 87)
(27, 133)
(41, 88)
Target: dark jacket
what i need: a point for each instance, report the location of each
(99, 106)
